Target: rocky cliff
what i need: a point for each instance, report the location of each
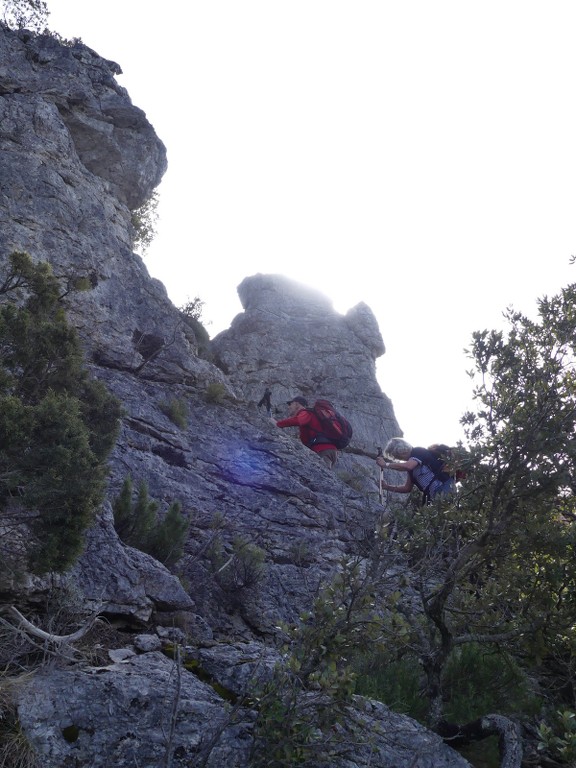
(77, 159)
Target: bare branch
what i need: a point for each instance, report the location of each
(48, 636)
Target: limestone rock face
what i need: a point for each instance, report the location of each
(206, 733)
(269, 523)
(77, 703)
(110, 137)
(290, 339)
(123, 580)
(77, 158)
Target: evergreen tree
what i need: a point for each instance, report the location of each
(143, 519)
(57, 426)
(138, 524)
(167, 544)
(123, 510)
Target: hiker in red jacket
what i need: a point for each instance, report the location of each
(310, 430)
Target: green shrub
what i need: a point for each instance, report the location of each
(476, 681)
(169, 536)
(396, 683)
(215, 392)
(177, 411)
(144, 222)
(559, 739)
(301, 708)
(139, 525)
(192, 314)
(134, 521)
(57, 426)
(202, 340)
(240, 569)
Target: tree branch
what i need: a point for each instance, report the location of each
(48, 636)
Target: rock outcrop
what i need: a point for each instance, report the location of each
(290, 339)
(143, 689)
(269, 523)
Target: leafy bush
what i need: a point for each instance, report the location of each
(145, 221)
(300, 709)
(134, 521)
(478, 680)
(192, 315)
(396, 683)
(560, 738)
(169, 537)
(475, 682)
(193, 308)
(241, 569)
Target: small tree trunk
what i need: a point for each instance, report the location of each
(508, 732)
(510, 739)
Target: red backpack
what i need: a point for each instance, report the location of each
(335, 427)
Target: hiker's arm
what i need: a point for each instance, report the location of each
(401, 466)
(292, 421)
(406, 488)
(302, 417)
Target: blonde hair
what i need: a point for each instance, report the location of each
(396, 448)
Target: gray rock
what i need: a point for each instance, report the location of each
(118, 655)
(131, 713)
(290, 339)
(269, 523)
(123, 580)
(147, 643)
(138, 711)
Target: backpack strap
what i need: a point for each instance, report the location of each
(434, 464)
(319, 438)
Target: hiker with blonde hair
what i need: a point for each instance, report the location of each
(423, 469)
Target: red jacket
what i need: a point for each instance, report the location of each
(310, 429)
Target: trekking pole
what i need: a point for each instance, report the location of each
(380, 490)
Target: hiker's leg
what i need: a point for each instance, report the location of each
(329, 457)
(446, 488)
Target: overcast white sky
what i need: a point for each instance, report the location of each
(418, 156)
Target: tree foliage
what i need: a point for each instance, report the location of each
(170, 536)
(495, 568)
(57, 425)
(191, 313)
(25, 14)
(134, 521)
(145, 223)
(302, 708)
(193, 308)
(139, 525)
